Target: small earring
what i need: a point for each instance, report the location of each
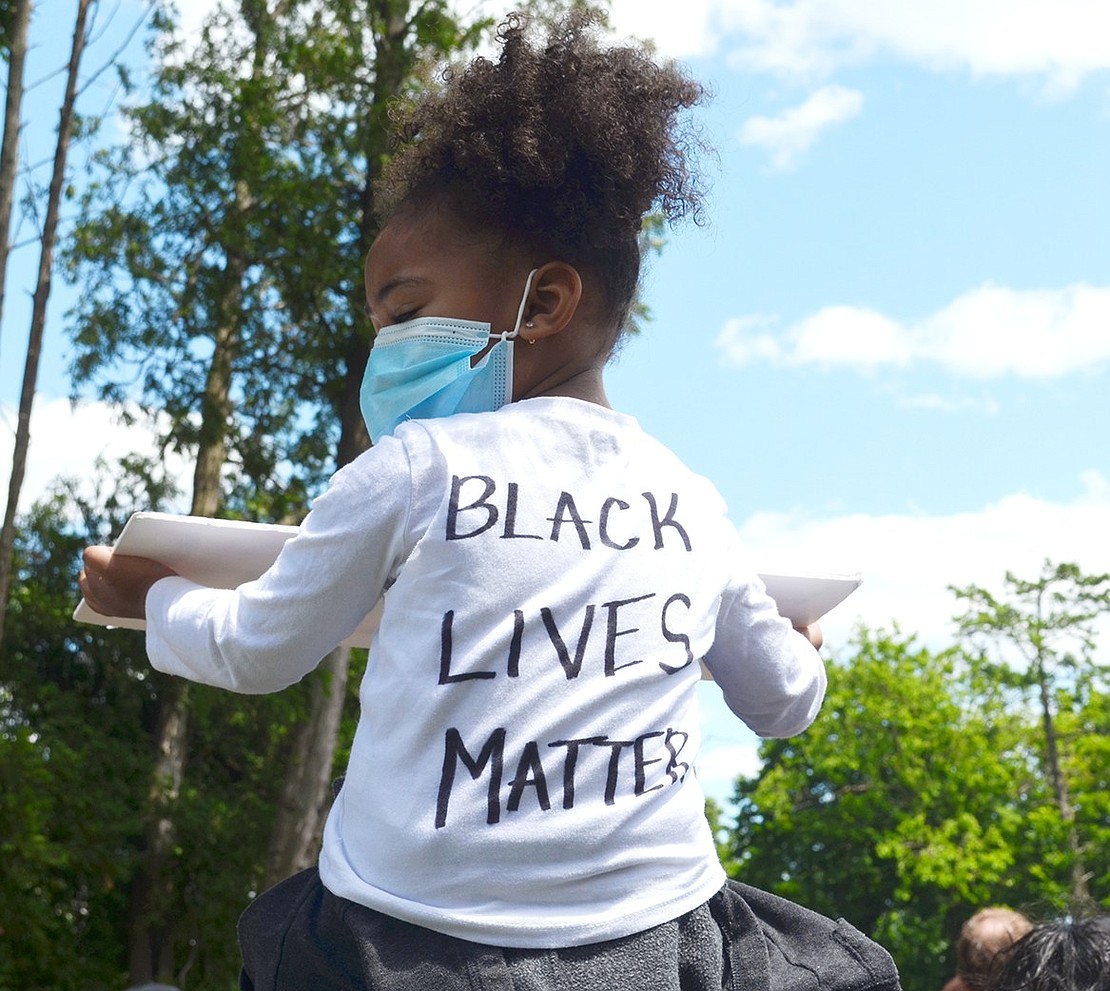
(530, 323)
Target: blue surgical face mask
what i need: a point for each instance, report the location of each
(421, 369)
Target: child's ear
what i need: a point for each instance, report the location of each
(552, 301)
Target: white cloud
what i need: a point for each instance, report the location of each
(691, 32)
(793, 132)
(67, 441)
(742, 340)
(1058, 41)
(993, 331)
(907, 562)
(988, 332)
(191, 16)
(847, 335)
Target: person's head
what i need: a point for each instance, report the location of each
(1062, 955)
(546, 159)
(986, 934)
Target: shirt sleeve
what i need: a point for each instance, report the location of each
(269, 633)
(771, 676)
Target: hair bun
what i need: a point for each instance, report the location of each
(560, 141)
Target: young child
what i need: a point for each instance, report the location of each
(520, 808)
(983, 940)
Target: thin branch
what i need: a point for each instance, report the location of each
(120, 49)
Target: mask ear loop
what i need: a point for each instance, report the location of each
(508, 335)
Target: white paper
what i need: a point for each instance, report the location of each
(216, 553)
(804, 599)
(226, 553)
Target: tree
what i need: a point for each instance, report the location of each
(78, 725)
(220, 266)
(1087, 729)
(40, 299)
(903, 808)
(15, 17)
(221, 259)
(74, 707)
(186, 242)
(378, 53)
(1045, 633)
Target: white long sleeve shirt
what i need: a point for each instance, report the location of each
(522, 772)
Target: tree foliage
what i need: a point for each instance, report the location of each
(78, 726)
(70, 707)
(219, 261)
(1043, 634)
(918, 796)
(235, 222)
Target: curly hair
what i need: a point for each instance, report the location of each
(561, 146)
(1063, 955)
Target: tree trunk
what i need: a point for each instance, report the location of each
(152, 914)
(150, 949)
(299, 824)
(1080, 893)
(38, 308)
(306, 795)
(151, 956)
(9, 147)
(215, 404)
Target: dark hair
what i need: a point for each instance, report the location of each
(1064, 955)
(984, 936)
(560, 145)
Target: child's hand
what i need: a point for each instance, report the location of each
(116, 584)
(812, 633)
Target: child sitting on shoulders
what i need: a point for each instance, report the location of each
(520, 808)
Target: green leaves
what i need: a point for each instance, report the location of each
(1050, 620)
(1046, 629)
(924, 789)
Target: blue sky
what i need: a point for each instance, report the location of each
(889, 345)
